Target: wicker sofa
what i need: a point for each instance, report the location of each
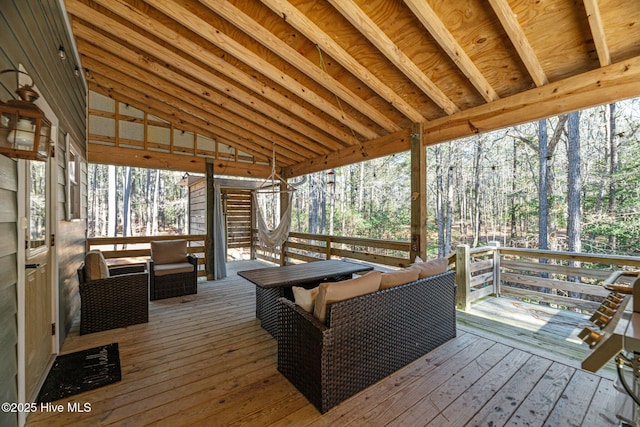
(365, 338)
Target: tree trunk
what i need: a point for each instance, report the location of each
(476, 193)
(613, 169)
(126, 202)
(543, 197)
(439, 200)
(112, 203)
(574, 181)
(156, 197)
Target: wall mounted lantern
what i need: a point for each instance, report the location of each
(25, 132)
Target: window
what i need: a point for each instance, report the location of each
(73, 180)
(37, 206)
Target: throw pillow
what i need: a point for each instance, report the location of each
(305, 298)
(95, 266)
(331, 292)
(399, 277)
(430, 268)
(169, 251)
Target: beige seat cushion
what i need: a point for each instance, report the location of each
(95, 266)
(331, 292)
(430, 268)
(305, 298)
(169, 252)
(166, 269)
(400, 277)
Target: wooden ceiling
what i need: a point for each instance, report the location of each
(331, 82)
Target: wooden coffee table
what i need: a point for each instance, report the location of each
(275, 282)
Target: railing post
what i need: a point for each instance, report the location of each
(496, 267)
(463, 278)
(327, 254)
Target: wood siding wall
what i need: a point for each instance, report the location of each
(70, 240)
(31, 33)
(8, 287)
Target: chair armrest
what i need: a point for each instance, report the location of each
(192, 259)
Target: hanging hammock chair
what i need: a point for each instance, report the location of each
(275, 237)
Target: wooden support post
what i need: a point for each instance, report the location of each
(252, 248)
(209, 246)
(284, 205)
(496, 267)
(418, 194)
(463, 278)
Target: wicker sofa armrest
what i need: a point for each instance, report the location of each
(114, 302)
(300, 339)
(118, 270)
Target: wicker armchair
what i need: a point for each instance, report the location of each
(120, 300)
(172, 271)
(365, 338)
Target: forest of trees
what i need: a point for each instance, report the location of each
(127, 201)
(574, 176)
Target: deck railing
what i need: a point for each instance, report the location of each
(305, 247)
(137, 249)
(565, 279)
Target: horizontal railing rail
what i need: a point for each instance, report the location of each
(564, 279)
(306, 247)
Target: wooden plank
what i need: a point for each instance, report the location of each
(582, 387)
(474, 398)
(499, 407)
(540, 282)
(589, 306)
(541, 400)
(537, 267)
(619, 260)
(604, 408)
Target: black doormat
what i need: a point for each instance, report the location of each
(81, 371)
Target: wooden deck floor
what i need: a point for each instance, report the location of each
(204, 360)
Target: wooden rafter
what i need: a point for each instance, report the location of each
(314, 71)
(165, 55)
(511, 25)
(597, 30)
(375, 35)
(448, 43)
(218, 38)
(301, 23)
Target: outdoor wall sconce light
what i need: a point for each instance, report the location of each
(25, 132)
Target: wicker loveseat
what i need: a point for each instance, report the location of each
(365, 338)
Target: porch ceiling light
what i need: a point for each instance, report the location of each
(25, 132)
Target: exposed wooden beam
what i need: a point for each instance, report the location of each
(215, 36)
(597, 31)
(418, 194)
(383, 146)
(205, 98)
(448, 43)
(601, 86)
(309, 29)
(314, 127)
(379, 39)
(510, 23)
(252, 28)
(105, 154)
